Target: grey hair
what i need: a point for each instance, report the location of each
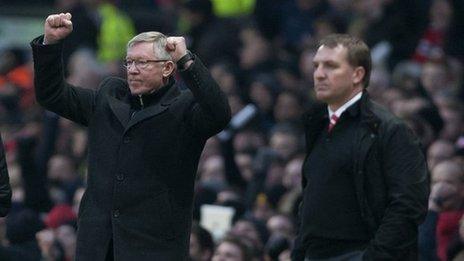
(159, 43)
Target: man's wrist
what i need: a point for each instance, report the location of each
(50, 40)
(185, 61)
(45, 40)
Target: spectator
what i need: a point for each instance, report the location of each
(21, 227)
(275, 247)
(212, 38)
(447, 199)
(439, 150)
(201, 244)
(232, 249)
(280, 225)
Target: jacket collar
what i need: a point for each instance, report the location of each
(140, 102)
(368, 118)
(120, 103)
(317, 116)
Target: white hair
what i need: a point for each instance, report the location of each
(159, 43)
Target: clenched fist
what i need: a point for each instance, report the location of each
(176, 47)
(57, 27)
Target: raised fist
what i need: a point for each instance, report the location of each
(176, 47)
(57, 27)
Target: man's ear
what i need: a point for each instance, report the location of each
(168, 68)
(358, 74)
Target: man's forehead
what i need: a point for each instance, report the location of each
(140, 48)
(326, 52)
(140, 44)
(337, 48)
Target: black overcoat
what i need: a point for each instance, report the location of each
(390, 178)
(141, 170)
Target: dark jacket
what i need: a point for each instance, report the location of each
(390, 177)
(141, 170)
(5, 189)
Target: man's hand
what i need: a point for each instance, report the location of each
(57, 27)
(176, 47)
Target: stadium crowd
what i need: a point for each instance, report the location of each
(260, 52)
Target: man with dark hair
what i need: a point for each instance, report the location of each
(201, 244)
(233, 248)
(145, 140)
(364, 178)
(5, 189)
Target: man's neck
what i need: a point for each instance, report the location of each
(340, 108)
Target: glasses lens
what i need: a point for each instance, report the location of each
(127, 64)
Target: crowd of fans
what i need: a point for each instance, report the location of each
(260, 52)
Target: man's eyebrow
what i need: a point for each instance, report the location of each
(330, 62)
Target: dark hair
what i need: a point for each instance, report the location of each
(247, 252)
(358, 52)
(258, 225)
(205, 240)
(22, 225)
(276, 245)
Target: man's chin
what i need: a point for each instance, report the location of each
(138, 91)
(321, 96)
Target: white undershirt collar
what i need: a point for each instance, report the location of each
(345, 106)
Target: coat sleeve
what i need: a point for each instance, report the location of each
(210, 112)
(5, 189)
(52, 91)
(406, 175)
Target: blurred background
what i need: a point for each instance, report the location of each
(260, 52)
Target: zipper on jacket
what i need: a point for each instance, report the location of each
(141, 101)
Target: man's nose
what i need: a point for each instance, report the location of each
(318, 73)
(132, 68)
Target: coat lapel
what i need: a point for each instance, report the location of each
(314, 121)
(121, 109)
(156, 109)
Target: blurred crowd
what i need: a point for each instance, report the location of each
(260, 52)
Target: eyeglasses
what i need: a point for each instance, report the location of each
(140, 64)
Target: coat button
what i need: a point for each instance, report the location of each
(126, 139)
(116, 213)
(120, 176)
